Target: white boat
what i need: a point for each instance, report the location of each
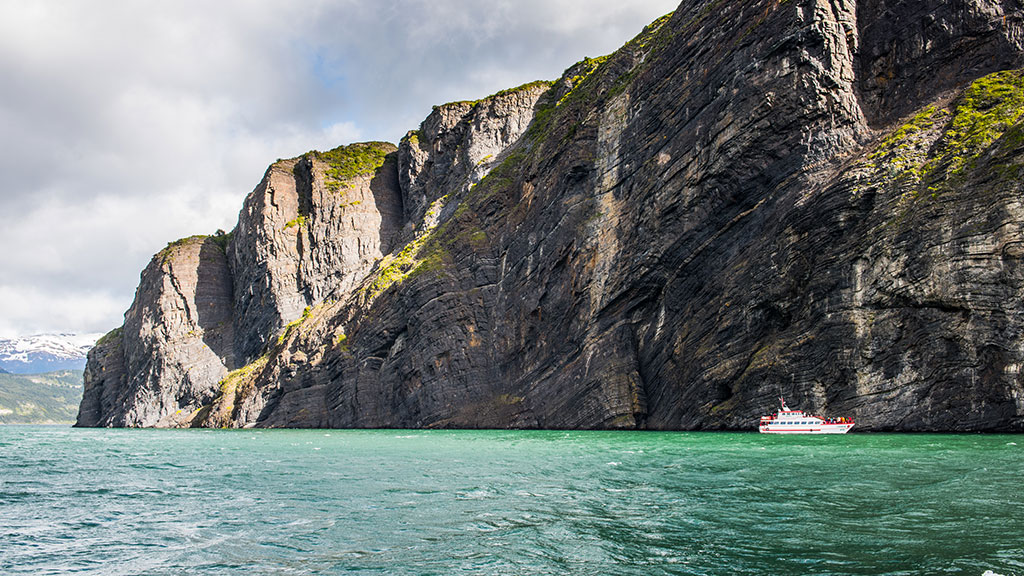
(787, 421)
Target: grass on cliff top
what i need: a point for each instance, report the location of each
(220, 238)
(348, 162)
(500, 93)
(165, 254)
(114, 334)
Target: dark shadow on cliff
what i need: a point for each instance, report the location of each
(912, 51)
(387, 196)
(215, 301)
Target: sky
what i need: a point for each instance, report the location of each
(125, 125)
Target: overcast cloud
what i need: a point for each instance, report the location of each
(128, 124)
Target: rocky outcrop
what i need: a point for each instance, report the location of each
(175, 345)
(105, 378)
(311, 230)
(815, 199)
(460, 142)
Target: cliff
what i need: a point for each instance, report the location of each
(815, 199)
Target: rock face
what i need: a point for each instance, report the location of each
(814, 199)
(175, 345)
(310, 231)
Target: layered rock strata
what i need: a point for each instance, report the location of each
(808, 198)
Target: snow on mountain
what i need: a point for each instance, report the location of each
(45, 352)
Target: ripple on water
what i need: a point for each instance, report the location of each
(313, 502)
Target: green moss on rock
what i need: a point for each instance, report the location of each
(341, 342)
(165, 254)
(348, 162)
(114, 334)
(235, 388)
(935, 148)
(988, 108)
(394, 269)
(291, 326)
(300, 221)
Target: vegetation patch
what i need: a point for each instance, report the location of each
(580, 72)
(299, 221)
(937, 147)
(111, 336)
(341, 342)
(234, 389)
(243, 375)
(222, 239)
(904, 152)
(521, 88)
(165, 254)
(287, 332)
(348, 162)
(501, 177)
(395, 269)
(989, 108)
(422, 254)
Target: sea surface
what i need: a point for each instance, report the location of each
(163, 502)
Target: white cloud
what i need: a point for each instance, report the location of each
(129, 124)
(52, 309)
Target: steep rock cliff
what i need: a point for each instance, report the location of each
(175, 346)
(310, 231)
(818, 199)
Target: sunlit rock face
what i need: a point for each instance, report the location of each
(819, 200)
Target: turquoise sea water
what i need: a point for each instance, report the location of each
(469, 502)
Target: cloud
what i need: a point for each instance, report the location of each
(129, 124)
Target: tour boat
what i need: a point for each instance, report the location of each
(787, 421)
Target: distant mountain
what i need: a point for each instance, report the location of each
(44, 353)
(40, 398)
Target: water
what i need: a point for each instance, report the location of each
(392, 502)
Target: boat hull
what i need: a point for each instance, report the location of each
(823, 429)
